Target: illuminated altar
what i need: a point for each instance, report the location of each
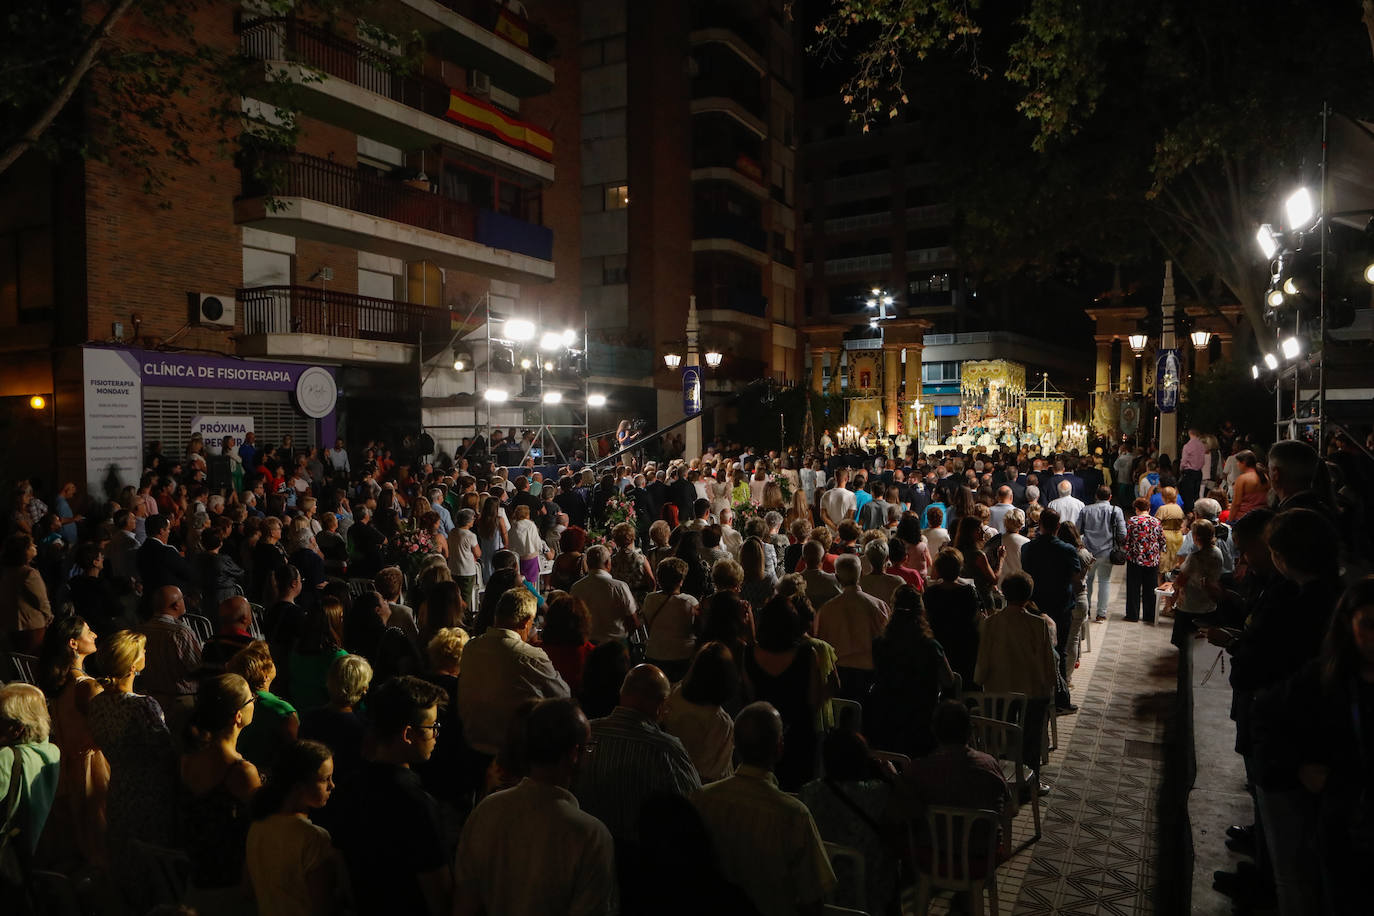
(992, 395)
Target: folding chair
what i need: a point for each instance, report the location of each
(358, 587)
(201, 626)
(1004, 742)
(1004, 707)
(258, 627)
(19, 667)
(851, 882)
(962, 857)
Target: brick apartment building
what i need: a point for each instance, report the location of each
(411, 198)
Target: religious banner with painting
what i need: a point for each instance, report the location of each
(865, 373)
(1045, 416)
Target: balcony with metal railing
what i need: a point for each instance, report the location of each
(493, 38)
(295, 322)
(309, 197)
(368, 91)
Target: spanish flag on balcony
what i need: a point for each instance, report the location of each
(513, 28)
(490, 120)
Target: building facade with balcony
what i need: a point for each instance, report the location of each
(419, 188)
(689, 189)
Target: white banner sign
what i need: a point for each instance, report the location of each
(114, 419)
(214, 429)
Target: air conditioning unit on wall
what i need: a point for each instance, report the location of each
(213, 310)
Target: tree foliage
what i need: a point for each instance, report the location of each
(114, 85)
(1164, 127)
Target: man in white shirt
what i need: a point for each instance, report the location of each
(730, 539)
(501, 671)
(338, 458)
(1067, 505)
(850, 622)
(537, 829)
(837, 503)
(610, 601)
(766, 840)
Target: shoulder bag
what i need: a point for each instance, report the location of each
(1118, 554)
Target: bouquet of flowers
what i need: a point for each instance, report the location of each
(619, 508)
(412, 547)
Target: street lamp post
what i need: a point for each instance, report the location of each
(1168, 420)
(692, 436)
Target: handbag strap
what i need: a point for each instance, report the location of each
(11, 808)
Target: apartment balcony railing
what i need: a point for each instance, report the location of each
(285, 38)
(727, 226)
(310, 310)
(502, 21)
(721, 16)
(301, 175)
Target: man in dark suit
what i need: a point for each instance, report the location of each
(367, 543)
(523, 497)
(1058, 575)
(682, 493)
(658, 494)
(571, 502)
(159, 563)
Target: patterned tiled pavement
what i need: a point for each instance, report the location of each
(1099, 851)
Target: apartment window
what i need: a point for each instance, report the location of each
(935, 283)
(940, 373)
(615, 269)
(617, 196)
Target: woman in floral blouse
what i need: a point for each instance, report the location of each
(1144, 547)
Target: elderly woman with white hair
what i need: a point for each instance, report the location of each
(29, 762)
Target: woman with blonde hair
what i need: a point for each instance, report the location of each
(85, 773)
(1171, 517)
(132, 733)
(798, 511)
(275, 723)
(628, 564)
(659, 550)
(217, 783)
(337, 723)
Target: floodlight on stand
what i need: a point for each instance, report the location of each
(1275, 298)
(1290, 287)
(1271, 361)
(459, 364)
(548, 365)
(1254, 371)
(713, 358)
(872, 322)
(875, 292)
(871, 303)
(1369, 273)
(1201, 339)
(553, 397)
(551, 340)
(596, 400)
(519, 329)
(887, 300)
(1268, 242)
(1138, 342)
(1300, 209)
(496, 395)
(672, 360)
(1290, 347)
(569, 337)
(525, 363)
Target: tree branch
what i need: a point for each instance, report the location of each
(84, 62)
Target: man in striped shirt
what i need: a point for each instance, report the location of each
(633, 757)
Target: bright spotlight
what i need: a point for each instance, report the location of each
(871, 303)
(1290, 347)
(38, 402)
(596, 400)
(459, 365)
(1300, 209)
(525, 363)
(887, 300)
(553, 397)
(551, 340)
(875, 292)
(1289, 287)
(1268, 243)
(1271, 361)
(548, 365)
(1254, 371)
(1369, 274)
(1275, 298)
(496, 395)
(569, 337)
(518, 329)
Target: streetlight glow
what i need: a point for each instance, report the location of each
(1201, 339)
(38, 402)
(1138, 342)
(672, 360)
(713, 358)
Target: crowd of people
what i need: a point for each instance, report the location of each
(598, 689)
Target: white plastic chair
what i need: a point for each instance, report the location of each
(1004, 707)
(953, 865)
(844, 710)
(201, 626)
(1003, 741)
(851, 886)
